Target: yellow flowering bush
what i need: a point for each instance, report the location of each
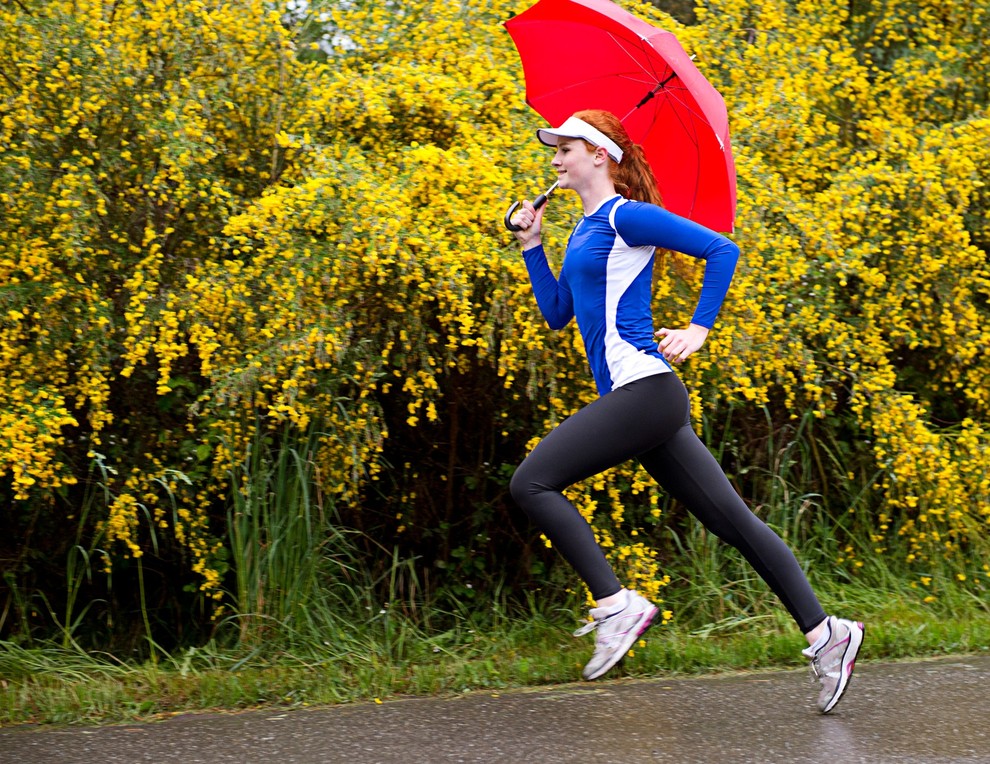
(863, 168)
(226, 221)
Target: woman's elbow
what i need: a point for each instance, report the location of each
(731, 250)
(556, 316)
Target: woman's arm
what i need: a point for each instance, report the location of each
(553, 296)
(641, 224)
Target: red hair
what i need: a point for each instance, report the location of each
(633, 177)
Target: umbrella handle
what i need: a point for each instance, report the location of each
(537, 203)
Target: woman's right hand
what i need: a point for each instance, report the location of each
(530, 221)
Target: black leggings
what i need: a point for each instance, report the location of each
(649, 420)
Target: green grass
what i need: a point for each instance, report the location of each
(315, 625)
(498, 649)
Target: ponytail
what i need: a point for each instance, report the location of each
(633, 177)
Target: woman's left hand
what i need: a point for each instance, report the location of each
(677, 344)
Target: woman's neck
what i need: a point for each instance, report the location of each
(595, 194)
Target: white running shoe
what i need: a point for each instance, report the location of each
(833, 663)
(617, 632)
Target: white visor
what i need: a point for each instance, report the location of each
(578, 128)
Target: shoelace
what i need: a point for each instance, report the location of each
(816, 662)
(588, 628)
(816, 659)
(816, 668)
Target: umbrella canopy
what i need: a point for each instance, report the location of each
(592, 54)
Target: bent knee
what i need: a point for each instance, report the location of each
(526, 485)
(520, 486)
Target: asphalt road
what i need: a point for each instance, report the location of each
(932, 712)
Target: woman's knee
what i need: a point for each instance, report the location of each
(521, 485)
(528, 484)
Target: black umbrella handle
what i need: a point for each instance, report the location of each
(537, 203)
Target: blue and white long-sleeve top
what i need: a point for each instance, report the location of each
(605, 282)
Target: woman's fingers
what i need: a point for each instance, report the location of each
(523, 218)
(678, 344)
(529, 219)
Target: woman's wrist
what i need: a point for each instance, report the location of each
(533, 243)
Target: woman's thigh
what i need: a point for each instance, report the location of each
(619, 426)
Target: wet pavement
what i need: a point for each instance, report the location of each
(930, 712)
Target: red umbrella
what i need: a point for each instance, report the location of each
(591, 54)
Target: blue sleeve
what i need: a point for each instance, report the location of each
(553, 296)
(641, 225)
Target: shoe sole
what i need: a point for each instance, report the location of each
(848, 664)
(635, 633)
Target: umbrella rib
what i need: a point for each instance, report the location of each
(671, 94)
(584, 82)
(642, 46)
(658, 78)
(690, 131)
(693, 135)
(626, 45)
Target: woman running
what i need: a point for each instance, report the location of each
(643, 411)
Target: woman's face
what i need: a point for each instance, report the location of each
(575, 162)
